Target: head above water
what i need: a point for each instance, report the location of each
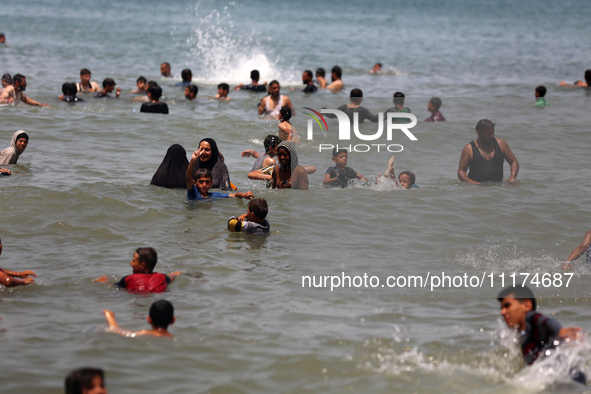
(521, 293)
(6, 79)
(406, 179)
(541, 91)
(191, 92)
(588, 77)
(80, 381)
(186, 75)
(271, 141)
(398, 98)
(108, 82)
(285, 113)
(336, 72)
(320, 72)
(259, 208)
(147, 256)
(202, 173)
(155, 92)
(255, 75)
(435, 103)
(484, 124)
(356, 96)
(161, 314)
(69, 89)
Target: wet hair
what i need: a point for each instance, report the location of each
(336, 151)
(337, 70)
(588, 77)
(85, 71)
(309, 73)
(255, 75)
(398, 98)
(69, 89)
(148, 256)
(167, 64)
(259, 207)
(285, 112)
(521, 293)
(484, 124)
(379, 64)
(193, 89)
(162, 314)
(108, 82)
(141, 79)
(224, 86)
(355, 96)
(320, 72)
(273, 82)
(2, 35)
(155, 92)
(7, 78)
(411, 176)
(436, 103)
(152, 83)
(541, 91)
(186, 75)
(202, 173)
(80, 379)
(271, 141)
(17, 78)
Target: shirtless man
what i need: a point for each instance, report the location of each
(271, 104)
(15, 92)
(85, 85)
(337, 83)
(485, 157)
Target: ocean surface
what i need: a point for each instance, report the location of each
(79, 201)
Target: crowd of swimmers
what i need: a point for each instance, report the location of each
(481, 161)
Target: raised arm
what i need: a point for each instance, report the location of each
(189, 173)
(511, 159)
(250, 152)
(465, 160)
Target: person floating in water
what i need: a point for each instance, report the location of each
(484, 157)
(584, 246)
(340, 175)
(254, 221)
(579, 84)
(160, 317)
(406, 179)
(15, 278)
(143, 279)
(377, 69)
(541, 97)
(433, 107)
(539, 334)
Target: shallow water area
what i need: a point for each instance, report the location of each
(79, 202)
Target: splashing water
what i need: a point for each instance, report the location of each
(225, 53)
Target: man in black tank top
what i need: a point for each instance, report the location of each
(483, 158)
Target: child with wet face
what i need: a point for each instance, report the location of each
(198, 186)
(406, 179)
(539, 333)
(340, 174)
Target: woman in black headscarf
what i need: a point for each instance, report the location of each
(172, 171)
(211, 158)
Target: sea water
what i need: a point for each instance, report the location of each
(79, 201)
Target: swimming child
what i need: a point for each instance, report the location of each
(143, 279)
(85, 381)
(254, 221)
(263, 161)
(540, 97)
(406, 179)
(69, 93)
(142, 85)
(340, 175)
(9, 278)
(286, 130)
(161, 316)
(198, 186)
(539, 334)
(191, 92)
(433, 107)
(223, 89)
(377, 68)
